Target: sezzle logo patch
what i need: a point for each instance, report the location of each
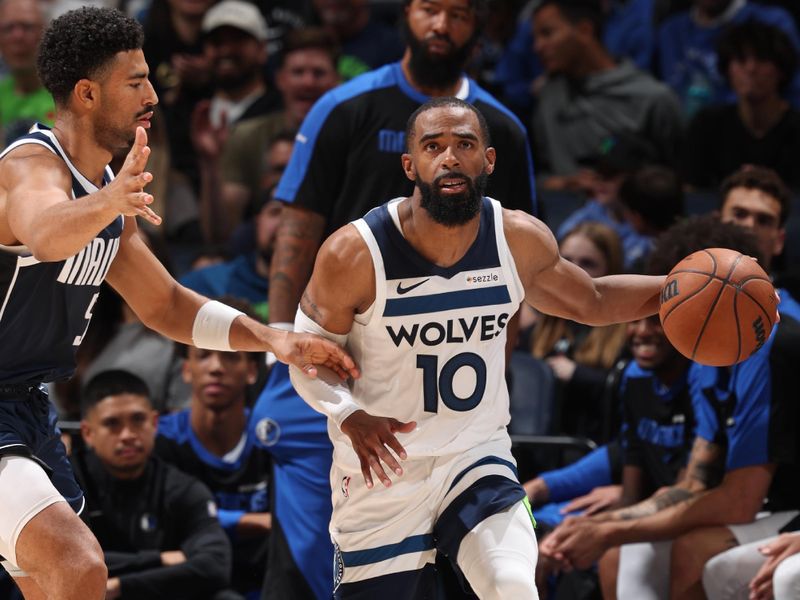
(478, 279)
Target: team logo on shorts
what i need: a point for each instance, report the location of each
(268, 431)
(346, 486)
(338, 566)
(148, 522)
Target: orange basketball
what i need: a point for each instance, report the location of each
(718, 307)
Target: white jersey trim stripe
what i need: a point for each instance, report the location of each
(10, 288)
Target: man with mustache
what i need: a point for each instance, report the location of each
(346, 161)
(66, 225)
(432, 281)
(157, 525)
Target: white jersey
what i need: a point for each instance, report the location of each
(431, 348)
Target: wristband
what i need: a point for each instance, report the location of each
(212, 326)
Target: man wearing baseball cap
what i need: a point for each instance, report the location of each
(234, 41)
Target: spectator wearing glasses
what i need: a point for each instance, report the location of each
(23, 99)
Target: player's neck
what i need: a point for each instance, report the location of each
(439, 244)
(82, 150)
(450, 90)
(218, 431)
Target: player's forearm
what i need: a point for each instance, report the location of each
(705, 509)
(296, 247)
(650, 506)
(623, 298)
(326, 393)
(64, 229)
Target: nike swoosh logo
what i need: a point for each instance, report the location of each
(401, 290)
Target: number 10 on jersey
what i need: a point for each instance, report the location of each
(436, 383)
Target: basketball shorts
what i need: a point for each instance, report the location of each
(385, 532)
(30, 438)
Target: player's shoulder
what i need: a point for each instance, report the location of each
(339, 98)
(522, 227)
(175, 426)
(345, 250)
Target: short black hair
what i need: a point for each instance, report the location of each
(655, 193)
(442, 102)
(315, 38)
(576, 11)
(754, 177)
(695, 233)
(80, 43)
(762, 41)
(112, 383)
(481, 8)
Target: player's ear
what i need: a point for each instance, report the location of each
(86, 432)
(490, 156)
(186, 373)
(85, 92)
(780, 240)
(408, 166)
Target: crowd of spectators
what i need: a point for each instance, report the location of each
(639, 131)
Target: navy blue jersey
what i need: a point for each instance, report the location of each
(239, 487)
(658, 425)
(346, 158)
(45, 307)
(751, 409)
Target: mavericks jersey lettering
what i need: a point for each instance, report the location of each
(45, 307)
(432, 345)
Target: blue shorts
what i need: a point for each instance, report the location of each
(28, 428)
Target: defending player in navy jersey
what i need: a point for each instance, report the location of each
(421, 291)
(65, 225)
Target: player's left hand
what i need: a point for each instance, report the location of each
(306, 350)
(577, 543)
(776, 552)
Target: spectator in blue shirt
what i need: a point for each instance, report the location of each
(687, 52)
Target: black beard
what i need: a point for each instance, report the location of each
(436, 72)
(454, 209)
(236, 81)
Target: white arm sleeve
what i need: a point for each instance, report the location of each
(326, 393)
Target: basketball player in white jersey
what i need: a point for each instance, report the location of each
(64, 227)
(420, 291)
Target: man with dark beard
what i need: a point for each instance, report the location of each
(346, 161)
(432, 281)
(235, 44)
(66, 225)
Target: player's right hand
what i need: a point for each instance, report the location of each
(127, 189)
(370, 437)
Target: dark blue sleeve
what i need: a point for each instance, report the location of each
(748, 435)
(319, 157)
(700, 379)
(580, 477)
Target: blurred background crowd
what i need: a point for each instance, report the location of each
(651, 125)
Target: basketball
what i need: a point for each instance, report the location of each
(718, 307)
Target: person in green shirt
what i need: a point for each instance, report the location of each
(23, 100)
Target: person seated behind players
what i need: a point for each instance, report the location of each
(589, 96)
(687, 58)
(751, 455)
(620, 157)
(156, 525)
(760, 127)
(581, 356)
(245, 277)
(446, 254)
(214, 440)
(652, 200)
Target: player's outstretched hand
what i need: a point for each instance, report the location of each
(306, 350)
(127, 189)
(370, 437)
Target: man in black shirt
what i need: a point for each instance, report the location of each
(157, 526)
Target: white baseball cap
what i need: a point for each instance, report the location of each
(237, 14)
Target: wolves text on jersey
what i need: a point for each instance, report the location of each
(452, 331)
